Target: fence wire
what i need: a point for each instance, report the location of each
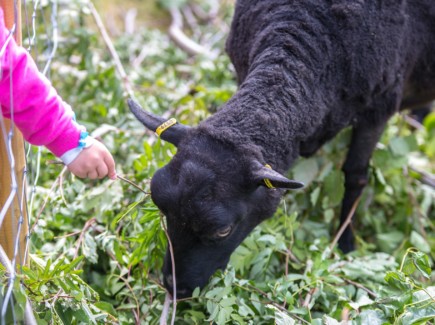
(32, 26)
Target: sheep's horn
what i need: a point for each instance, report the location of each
(265, 175)
(172, 134)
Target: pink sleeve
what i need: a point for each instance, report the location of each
(38, 111)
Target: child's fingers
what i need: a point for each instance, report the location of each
(110, 163)
(93, 174)
(94, 162)
(77, 170)
(102, 170)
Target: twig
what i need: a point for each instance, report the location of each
(28, 312)
(181, 40)
(132, 184)
(54, 162)
(308, 297)
(345, 316)
(204, 16)
(103, 129)
(58, 162)
(62, 195)
(190, 19)
(425, 178)
(47, 198)
(358, 285)
(68, 235)
(412, 198)
(413, 122)
(111, 48)
(129, 21)
(289, 256)
(87, 225)
(345, 224)
(174, 281)
(165, 311)
(56, 296)
(137, 311)
(271, 302)
(291, 315)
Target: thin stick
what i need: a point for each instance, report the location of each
(174, 281)
(345, 224)
(54, 162)
(308, 297)
(420, 214)
(132, 184)
(111, 48)
(136, 311)
(68, 235)
(47, 198)
(413, 122)
(358, 285)
(269, 301)
(28, 312)
(180, 38)
(62, 195)
(164, 316)
(425, 178)
(87, 225)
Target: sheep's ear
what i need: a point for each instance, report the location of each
(172, 134)
(266, 176)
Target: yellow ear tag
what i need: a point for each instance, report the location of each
(166, 125)
(266, 180)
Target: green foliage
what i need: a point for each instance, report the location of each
(98, 246)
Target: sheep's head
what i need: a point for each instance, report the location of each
(212, 197)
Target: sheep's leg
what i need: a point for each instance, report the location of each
(364, 139)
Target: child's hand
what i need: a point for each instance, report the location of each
(94, 162)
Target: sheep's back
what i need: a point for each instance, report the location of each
(364, 51)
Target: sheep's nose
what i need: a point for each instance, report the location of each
(182, 292)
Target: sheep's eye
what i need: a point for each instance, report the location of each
(224, 232)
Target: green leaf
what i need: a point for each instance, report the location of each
(409, 266)
(305, 170)
(281, 318)
(105, 306)
(399, 147)
(419, 242)
(390, 240)
(65, 314)
(69, 267)
(398, 280)
(196, 292)
(429, 122)
(330, 321)
(333, 187)
(373, 317)
(314, 196)
(89, 248)
(120, 216)
(421, 261)
(417, 315)
(224, 315)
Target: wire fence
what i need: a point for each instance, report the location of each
(17, 206)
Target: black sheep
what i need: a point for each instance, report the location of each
(306, 70)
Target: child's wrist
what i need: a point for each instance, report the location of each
(85, 141)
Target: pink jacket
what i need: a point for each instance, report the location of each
(38, 111)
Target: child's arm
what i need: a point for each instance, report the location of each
(27, 97)
(38, 111)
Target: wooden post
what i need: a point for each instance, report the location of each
(9, 228)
